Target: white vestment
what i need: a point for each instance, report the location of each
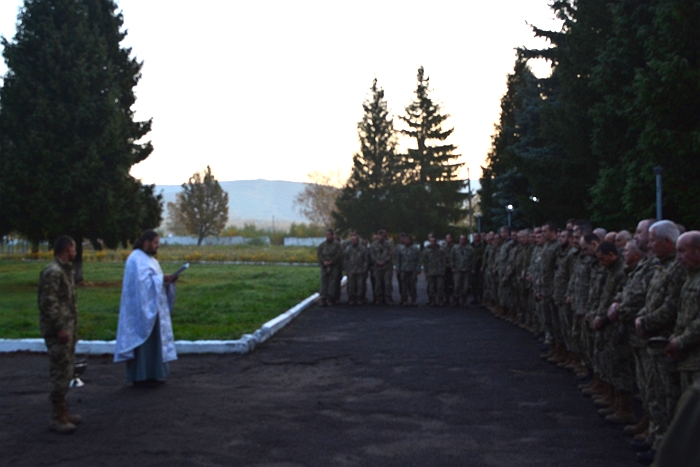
(144, 297)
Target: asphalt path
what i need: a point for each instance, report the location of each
(340, 386)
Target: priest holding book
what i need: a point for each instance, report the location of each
(145, 334)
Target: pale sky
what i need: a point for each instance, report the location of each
(274, 89)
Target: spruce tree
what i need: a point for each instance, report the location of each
(366, 203)
(67, 127)
(434, 196)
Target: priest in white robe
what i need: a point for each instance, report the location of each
(145, 333)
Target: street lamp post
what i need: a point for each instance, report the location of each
(509, 208)
(478, 222)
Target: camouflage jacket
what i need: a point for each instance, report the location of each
(562, 274)
(548, 264)
(580, 284)
(632, 296)
(434, 261)
(595, 289)
(614, 281)
(329, 251)
(533, 269)
(355, 259)
(447, 250)
(661, 304)
(57, 299)
(408, 259)
(502, 258)
(382, 252)
(462, 258)
(522, 262)
(511, 259)
(687, 329)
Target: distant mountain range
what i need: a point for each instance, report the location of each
(258, 201)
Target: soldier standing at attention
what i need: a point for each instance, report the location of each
(449, 284)
(397, 249)
(658, 319)
(355, 259)
(545, 289)
(382, 254)
(59, 326)
(434, 263)
(684, 345)
(408, 268)
(462, 261)
(329, 255)
(477, 279)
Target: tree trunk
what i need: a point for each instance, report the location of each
(78, 261)
(35, 246)
(199, 242)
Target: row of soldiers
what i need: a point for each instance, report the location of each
(449, 268)
(620, 310)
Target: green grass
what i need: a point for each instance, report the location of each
(213, 301)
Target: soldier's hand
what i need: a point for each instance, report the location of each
(568, 300)
(598, 323)
(638, 327)
(170, 278)
(673, 351)
(612, 311)
(63, 336)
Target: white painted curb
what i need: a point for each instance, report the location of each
(245, 344)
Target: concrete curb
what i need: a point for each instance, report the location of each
(245, 344)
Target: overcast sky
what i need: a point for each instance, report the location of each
(274, 89)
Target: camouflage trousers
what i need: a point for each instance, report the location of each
(61, 366)
(383, 286)
(461, 284)
(586, 342)
(551, 319)
(505, 294)
(576, 345)
(436, 288)
(329, 282)
(477, 282)
(449, 283)
(665, 391)
(615, 358)
(688, 379)
(565, 316)
(408, 285)
(642, 373)
(356, 286)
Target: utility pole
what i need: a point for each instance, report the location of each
(658, 170)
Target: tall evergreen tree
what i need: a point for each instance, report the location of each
(67, 127)
(434, 197)
(367, 203)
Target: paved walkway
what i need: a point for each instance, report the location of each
(341, 386)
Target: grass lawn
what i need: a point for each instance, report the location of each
(212, 301)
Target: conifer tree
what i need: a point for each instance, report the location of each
(434, 192)
(366, 203)
(67, 131)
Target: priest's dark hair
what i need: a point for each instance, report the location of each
(146, 236)
(61, 243)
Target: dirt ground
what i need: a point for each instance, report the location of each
(341, 386)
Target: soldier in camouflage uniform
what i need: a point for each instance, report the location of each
(449, 280)
(462, 262)
(477, 279)
(545, 290)
(533, 278)
(617, 403)
(382, 254)
(329, 254)
(489, 250)
(355, 260)
(562, 275)
(408, 267)
(508, 280)
(684, 345)
(434, 262)
(501, 272)
(397, 249)
(58, 315)
(657, 319)
(577, 298)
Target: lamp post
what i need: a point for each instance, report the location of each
(509, 208)
(658, 170)
(478, 222)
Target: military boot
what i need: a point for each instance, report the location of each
(640, 427)
(605, 399)
(605, 411)
(624, 413)
(60, 419)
